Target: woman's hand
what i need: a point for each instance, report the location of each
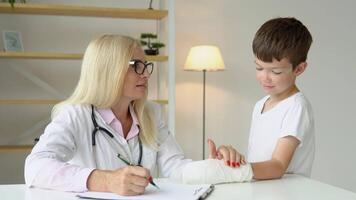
(126, 181)
(230, 155)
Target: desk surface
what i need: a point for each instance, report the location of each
(289, 187)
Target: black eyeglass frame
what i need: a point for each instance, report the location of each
(134, 63)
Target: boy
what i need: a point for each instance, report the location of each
(282, 128)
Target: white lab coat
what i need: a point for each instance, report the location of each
(67, 141)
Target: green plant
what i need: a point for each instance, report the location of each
(149, 40)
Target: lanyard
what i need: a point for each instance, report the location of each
(98, 128)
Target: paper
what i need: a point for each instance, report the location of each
(168, 190)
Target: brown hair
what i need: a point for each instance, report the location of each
(282, 38)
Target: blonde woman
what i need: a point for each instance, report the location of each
(106, 126)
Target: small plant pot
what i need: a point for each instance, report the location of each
(151, 52)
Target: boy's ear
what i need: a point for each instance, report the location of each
(300, 68)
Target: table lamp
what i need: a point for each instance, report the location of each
(204, 58)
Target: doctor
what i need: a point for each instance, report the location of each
(107, 115)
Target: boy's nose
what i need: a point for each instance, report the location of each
(266, 77)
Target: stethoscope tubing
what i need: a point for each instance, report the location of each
(98, 128)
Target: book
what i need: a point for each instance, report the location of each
(168, 190)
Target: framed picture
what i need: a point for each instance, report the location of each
(12, 41)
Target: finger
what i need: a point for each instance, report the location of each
(225, 154)
(122, 185)
(219, 156)
(128, 183)
(139, 171)
(136, 184)
(242, 159)
(126, 193)
(137, 189)
(139, 181)
(234, 157)
(212, 149)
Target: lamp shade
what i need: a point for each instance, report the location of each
(204, 57)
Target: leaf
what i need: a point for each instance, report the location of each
(157, 45)
(143, 43)
(148, 35)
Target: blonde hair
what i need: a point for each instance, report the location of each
(104, 67)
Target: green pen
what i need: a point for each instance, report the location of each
(150, 179)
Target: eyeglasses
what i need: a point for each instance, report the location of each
(140, 66)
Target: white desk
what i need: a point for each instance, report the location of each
(289, 187)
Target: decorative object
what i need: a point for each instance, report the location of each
(153, 47)
(12, 41)
(12, 2)
(204, 58)
(150, 5)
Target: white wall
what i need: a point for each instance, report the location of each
(329, 81)
(231, 94)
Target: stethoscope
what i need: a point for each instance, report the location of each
(98, 128)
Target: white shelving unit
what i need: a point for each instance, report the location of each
(86, 11)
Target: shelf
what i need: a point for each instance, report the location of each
(161, 101)
(40, 55)
(65, 56)
(15, 148)
(71, 10)
(158, 58)
(28, 101)
(49, 101)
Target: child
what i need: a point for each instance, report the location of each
(282, 128)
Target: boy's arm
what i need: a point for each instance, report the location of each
(281, 157)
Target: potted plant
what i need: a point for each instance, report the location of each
(12, 2)
(153, 46)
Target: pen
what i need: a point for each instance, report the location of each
(150, 179)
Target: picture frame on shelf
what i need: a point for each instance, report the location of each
(12, 41)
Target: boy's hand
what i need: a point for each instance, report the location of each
(230, 155)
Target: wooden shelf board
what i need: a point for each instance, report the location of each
(69, 56)
(161, 101)
(15, 148)
(72, 10)
(48, 101)
(28, 101)
(40, 55)
(158, 58)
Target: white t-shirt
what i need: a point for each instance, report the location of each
(292, 116)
